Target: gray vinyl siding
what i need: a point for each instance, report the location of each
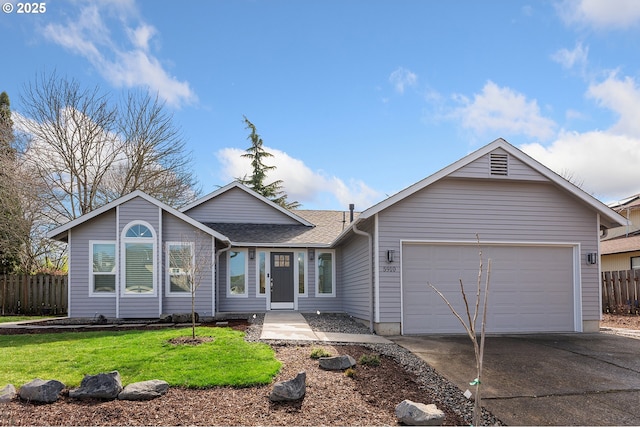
(238, 206)
(356, 278)
(248, 304)
(136, 306)
(103, 227)
(176, 230)
(481, 168)
(496, 210)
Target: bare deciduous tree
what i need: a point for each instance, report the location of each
(190, 262)
(153, 156)
(83, 151)
(88, 152)
(470, 327)
(73, 143)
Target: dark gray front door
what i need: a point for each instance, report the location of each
(282, 291)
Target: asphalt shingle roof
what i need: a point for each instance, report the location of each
(624, 244)
(327, 226)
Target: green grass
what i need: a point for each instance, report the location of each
(6, 319)
(138, 355)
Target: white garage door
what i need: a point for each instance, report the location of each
(531, 287)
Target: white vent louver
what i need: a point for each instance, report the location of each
(499, 164)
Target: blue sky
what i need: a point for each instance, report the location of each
(358, 99)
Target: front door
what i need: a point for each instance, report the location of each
(282, 290)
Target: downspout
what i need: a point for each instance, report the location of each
(215, 278)
(370, 269)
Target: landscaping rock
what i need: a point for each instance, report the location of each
(105, 386)
(41, 391)
(145, 390)
(7, 393)
(337, 363)
(183, 317)
(419, 414)
(294, 389)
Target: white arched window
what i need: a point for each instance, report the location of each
(139, 259)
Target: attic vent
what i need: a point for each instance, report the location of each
(499, 164)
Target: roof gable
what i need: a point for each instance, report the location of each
(236, 203)
(59, 232)
(479, 165)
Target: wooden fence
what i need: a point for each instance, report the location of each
(41, 294)
(621, 292)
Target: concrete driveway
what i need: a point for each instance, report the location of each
(559, 379)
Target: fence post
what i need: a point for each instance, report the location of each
(4, 291)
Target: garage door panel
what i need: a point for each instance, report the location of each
(531, 287)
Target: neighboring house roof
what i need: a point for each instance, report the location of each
(242, 187)
(620, 245)
(608, 217)
(629, 202)
(327, 226)
(60, 233)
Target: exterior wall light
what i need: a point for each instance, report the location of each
(311, 254)
(252, 253)
(391, 255)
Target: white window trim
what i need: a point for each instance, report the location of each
(296, 273)
(123, 253)
(333, 273)
(92, 274)
(168, 291)
(246, 274)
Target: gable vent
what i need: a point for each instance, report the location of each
(499, 164)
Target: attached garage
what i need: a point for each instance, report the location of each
(533, 288)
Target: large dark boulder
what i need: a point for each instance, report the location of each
(290, 390)
(104, 386)
(41, 391)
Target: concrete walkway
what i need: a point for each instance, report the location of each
(291, 326)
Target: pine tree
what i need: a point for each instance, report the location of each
(256, 153)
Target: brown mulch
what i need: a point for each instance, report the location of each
(631, 321)
(332, 398)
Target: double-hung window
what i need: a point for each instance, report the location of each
(103, 268)
(180, 262)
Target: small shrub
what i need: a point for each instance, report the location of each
(317, 353)
(350, 372)
(369, 360)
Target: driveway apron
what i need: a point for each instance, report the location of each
(550, 379)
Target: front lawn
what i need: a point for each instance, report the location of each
(7, 319)
(138, 356)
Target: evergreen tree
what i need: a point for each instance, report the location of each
(10, 208)
(256, 153)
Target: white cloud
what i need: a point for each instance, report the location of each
(622, 96)
(619, 14)
(141, 36)
(499, 110)
(606, 164)
(130, 64)
(401, 78)
(572, 58)
(300, 182)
